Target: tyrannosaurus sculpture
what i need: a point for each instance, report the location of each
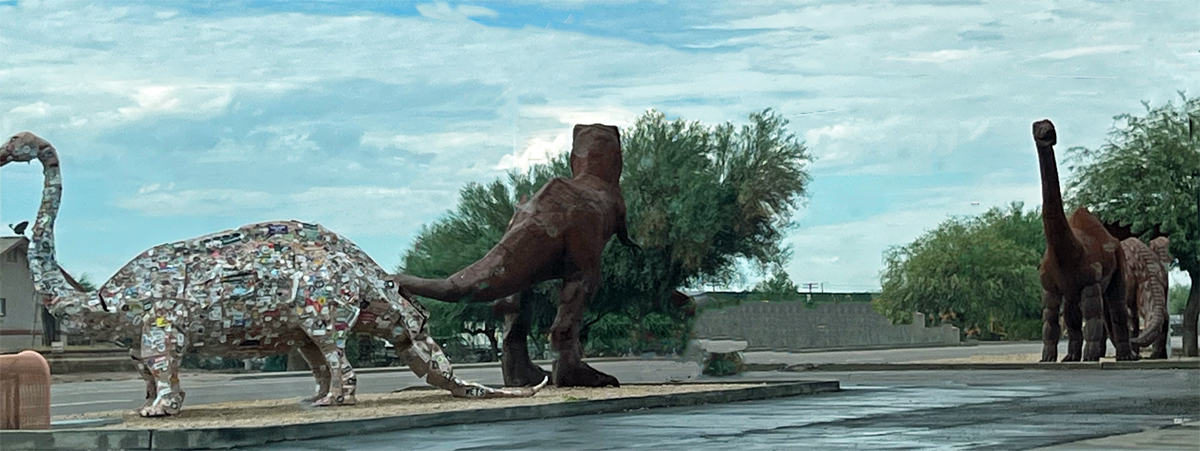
(1081, 269)
(558, 234)
(262, 289)
(1146, 293)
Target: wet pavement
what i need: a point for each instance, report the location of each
(948, 410)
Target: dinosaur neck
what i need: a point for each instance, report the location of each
(1054, 221)
(48, 278)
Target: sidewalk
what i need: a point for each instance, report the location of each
(390, 369)
(1185, 436)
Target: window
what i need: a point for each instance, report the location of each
(3, 307)
(10, 257)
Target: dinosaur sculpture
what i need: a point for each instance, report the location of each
(518, 368)
(1081, 269)
(262, 289)
(558, 234)
(1146, 296)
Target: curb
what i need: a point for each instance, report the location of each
(389, 369)
(236, 437)
(1144, 365)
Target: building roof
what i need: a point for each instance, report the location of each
(20, 243)
(7, 243)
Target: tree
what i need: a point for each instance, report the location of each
(1147, 176)
(699, 198)
(85, 282)
(778, 283)
(1177, 298)
(978, 273)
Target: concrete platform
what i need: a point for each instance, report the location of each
(235, 437)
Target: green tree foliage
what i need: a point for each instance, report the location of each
(85, 282)
(1147, 175)
(778, 283)
(1176, 298)
(979, 273)
(699, 199)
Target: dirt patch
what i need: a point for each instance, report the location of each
(406, 402)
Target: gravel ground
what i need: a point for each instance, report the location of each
(405, 402)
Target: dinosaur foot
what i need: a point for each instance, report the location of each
(163, 406)
(1092, 352)
(581, 375)
(1049, 354)
(1158, 354)
(1071, 357)
(519, 371)
(330, 400)
(314, 398)
(1124, 353)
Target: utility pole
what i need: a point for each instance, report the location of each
(811, 285)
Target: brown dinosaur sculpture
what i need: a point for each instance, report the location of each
(558, 234)
(261, 289)
(1081, 269)
(518, 368)
(1146, 295)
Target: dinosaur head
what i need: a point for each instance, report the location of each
(22, 147)
(1044, 134)
(596, 150)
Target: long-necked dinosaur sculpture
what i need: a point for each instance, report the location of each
(1080, 272)
(261, 289)
(558, 234)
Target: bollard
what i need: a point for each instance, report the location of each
(24, 391)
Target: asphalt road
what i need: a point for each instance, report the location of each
(914, 354)
(202, 388)
(951, 410)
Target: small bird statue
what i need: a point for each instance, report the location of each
(19, 229)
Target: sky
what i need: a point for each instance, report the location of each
(178, 119)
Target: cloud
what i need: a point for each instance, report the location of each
(159, 200)
(382, 116)
(446, 12)
(939, 56)
(1086, 51)
(538, 150)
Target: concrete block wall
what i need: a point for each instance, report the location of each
(790, 326)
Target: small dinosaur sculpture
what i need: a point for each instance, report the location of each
(558, 234)
(1081, 269)
(1146, 295)
(261, 289)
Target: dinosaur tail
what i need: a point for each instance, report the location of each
(1154, 323)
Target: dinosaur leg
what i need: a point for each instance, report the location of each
(151, 387)
(333, 357)
(1117, 317)
(1051, 331)
(1091, 305)
(1131, 301)
(426, 359)
(1156, 295)
(1160, 345)
(519, 370)
(1073, 320)
(162, 351)
(569, 369)
(316, 362)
